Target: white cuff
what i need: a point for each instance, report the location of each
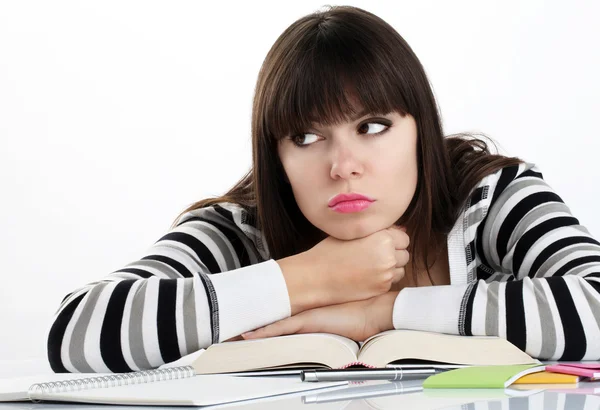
(429, 308)
(250, 297)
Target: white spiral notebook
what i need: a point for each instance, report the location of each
(175, 386)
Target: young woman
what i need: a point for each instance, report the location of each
(358, 216)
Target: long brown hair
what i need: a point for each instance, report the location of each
(306, 78)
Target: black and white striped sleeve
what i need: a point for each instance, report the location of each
(538, 280)
(170, 302)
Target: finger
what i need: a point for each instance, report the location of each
(402, 258)
(398, 275)
(233, 339)
(400, 238)
(283, 327)
(400, 227)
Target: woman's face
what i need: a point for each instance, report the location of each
(373, 155)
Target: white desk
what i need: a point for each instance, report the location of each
(382, 396)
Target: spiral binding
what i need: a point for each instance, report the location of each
(38, 390)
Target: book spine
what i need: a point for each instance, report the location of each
(39, 390)
(357, 364)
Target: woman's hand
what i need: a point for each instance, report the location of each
(336, 271)
(357, 320)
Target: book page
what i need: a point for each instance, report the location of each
(443, 348)
(349, 343)
(364, 345)
(277, 352)
(186, 360)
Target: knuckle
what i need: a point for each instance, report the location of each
(387, 262)
(386, 240)
(404, 257)
(387, 277)
(385, 287)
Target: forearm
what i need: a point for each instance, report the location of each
(383, 308)
(549, 318)
(304, 291)
(139, 324)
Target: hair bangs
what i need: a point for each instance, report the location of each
(333, 79)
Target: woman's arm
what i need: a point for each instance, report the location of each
(201, 283)
(539, 277)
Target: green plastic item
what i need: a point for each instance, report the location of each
(480, 377)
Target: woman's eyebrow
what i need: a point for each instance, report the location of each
(360, 114)
(355, 117)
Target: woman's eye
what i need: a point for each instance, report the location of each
(378, 127)
(296, 138)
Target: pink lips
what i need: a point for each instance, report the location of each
(347, 203)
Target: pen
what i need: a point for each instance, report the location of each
(426, 366)
(264, 373)
(386, 388)
(366, 374)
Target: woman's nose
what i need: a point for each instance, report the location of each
(346, 164)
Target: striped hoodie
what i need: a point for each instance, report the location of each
(521, 267)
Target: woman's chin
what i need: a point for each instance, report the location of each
(348, 232)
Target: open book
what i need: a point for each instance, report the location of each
(321, 350)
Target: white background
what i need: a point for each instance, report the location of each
(116, 115)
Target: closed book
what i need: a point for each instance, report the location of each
(579, 369)
(546, 377)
